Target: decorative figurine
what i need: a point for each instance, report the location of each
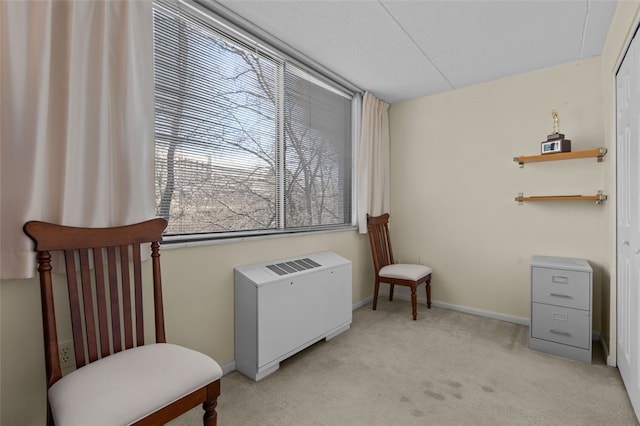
(556, 121)
(555, 141)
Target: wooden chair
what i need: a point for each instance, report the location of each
(118, 378)
(387, 271)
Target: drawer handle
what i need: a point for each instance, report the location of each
(563, 333)
(560, 317)
(561, 295)
(559, 279)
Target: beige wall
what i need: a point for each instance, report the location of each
(198, 299)
(453, 183)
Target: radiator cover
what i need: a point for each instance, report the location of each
(283, 306)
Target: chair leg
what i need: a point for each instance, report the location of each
(375, 294)
(429, 292)
(391, 287)
(210, 417)
(49, 415)
(414, 302)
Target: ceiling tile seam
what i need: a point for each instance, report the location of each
(584, 29)
(424, 54)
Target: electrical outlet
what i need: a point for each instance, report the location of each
(67, 358)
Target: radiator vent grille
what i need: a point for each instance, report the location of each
(290, 267)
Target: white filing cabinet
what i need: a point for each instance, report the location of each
(561, 300)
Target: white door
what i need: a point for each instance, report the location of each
(628, 221)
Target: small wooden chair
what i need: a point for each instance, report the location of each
(387, 271)
(119, 380)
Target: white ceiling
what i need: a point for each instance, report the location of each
(406, 49)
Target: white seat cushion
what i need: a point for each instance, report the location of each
(404, 271)
(127, 386)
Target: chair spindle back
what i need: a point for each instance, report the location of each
(104, 280)
(378, 229)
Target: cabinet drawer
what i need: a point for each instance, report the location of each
(561, 287)
(562, 325)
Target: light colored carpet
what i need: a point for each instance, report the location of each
(446, 368)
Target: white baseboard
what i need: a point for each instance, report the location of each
(595, 335)
(229, 367)
(611, 362)
(361, 303)
(482, 312)
(465, 309)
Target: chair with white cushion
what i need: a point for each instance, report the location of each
(118, 380)
(387, 271)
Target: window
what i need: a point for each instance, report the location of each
(246, 141)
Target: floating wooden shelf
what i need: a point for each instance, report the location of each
(598, 198)
(598, 153)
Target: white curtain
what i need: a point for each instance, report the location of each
(76, 118)
(373, 160)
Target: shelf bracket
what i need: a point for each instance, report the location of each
(603, 152)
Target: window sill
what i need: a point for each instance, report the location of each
(173, 242)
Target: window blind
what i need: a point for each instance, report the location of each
(245, 142)
(318, 152)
